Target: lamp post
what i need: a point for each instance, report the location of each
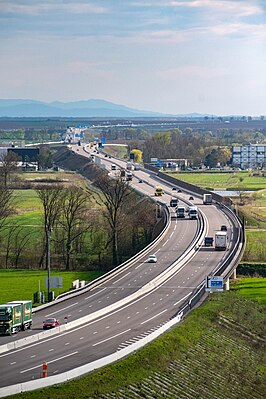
(48, 262)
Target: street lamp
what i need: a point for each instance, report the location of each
(48, 261)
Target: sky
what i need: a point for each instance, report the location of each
(205, 56)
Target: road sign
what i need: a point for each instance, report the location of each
(214, 283)
(55, 282)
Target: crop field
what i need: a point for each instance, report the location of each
(215, 353)
(21, 284)
(216, 181)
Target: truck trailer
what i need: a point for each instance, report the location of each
(15, 316)
(221, 240)
(207, 199)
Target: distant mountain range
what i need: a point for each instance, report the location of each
(82, 109)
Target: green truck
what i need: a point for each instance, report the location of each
(15, 316)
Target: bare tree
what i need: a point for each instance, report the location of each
(51, 198)
(6, 205)
(8, 165)
(72, 220)
(114, 193)
(20, 243)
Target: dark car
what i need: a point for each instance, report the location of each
(50, 323)
(223, 227)
(97, 152)
(110, 156)
(179, 191)
(106, 155)
(174, 188)
(140, 181)
(191, 198)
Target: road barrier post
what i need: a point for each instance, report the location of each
(44, 370)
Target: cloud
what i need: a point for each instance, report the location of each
(242, 8)
(193, 72)
(37, 8)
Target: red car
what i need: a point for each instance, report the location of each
(50, 323)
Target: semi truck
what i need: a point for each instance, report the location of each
(207, 199)
(180, 212)
(15, 316)
(221, 240)
(193, 212)
(158, 191)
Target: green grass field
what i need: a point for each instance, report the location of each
(233, 181)
(252, 288)
(21, 284)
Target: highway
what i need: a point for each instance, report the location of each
(125, 323)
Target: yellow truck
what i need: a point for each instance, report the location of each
(158, 191)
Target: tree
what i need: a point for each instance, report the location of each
(45, 157)
(51, 198)
(72, 220)
(114, 193)
(137, 155)
(6, 205)
(9, 164)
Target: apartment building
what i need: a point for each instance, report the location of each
(249, 156)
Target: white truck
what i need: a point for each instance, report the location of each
(207, 199)
(220, 240)
(129, 166)
(193, 212)
(180, 212)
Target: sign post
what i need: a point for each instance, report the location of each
(214, 284)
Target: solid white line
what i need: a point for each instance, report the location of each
(114, 336)
(73, 304)
(171, 234)
(165, 242)
(122, 277)
(51, 361)
(182, 298)
(146, 321)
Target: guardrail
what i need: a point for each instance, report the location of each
(188, 305)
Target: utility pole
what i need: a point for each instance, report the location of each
(48, 262)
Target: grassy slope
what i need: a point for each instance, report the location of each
(217, 352)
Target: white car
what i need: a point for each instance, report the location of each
(152, 259)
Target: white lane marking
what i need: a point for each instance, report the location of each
(107, 327)
(88, 297)
(81, 337)
(51, 350)
(50, 361)
(139, 265)
(67, 343)
(171, 234)
(67, 307)
(33, 356)
(146, 321)
(114, 336)
(122, 277)
(11, 364)
(165, 243)
(180, 300)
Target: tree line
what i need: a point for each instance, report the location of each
(83, 228)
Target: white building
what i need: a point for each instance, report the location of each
(249, 156)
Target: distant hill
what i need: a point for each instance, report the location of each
(83, 109)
